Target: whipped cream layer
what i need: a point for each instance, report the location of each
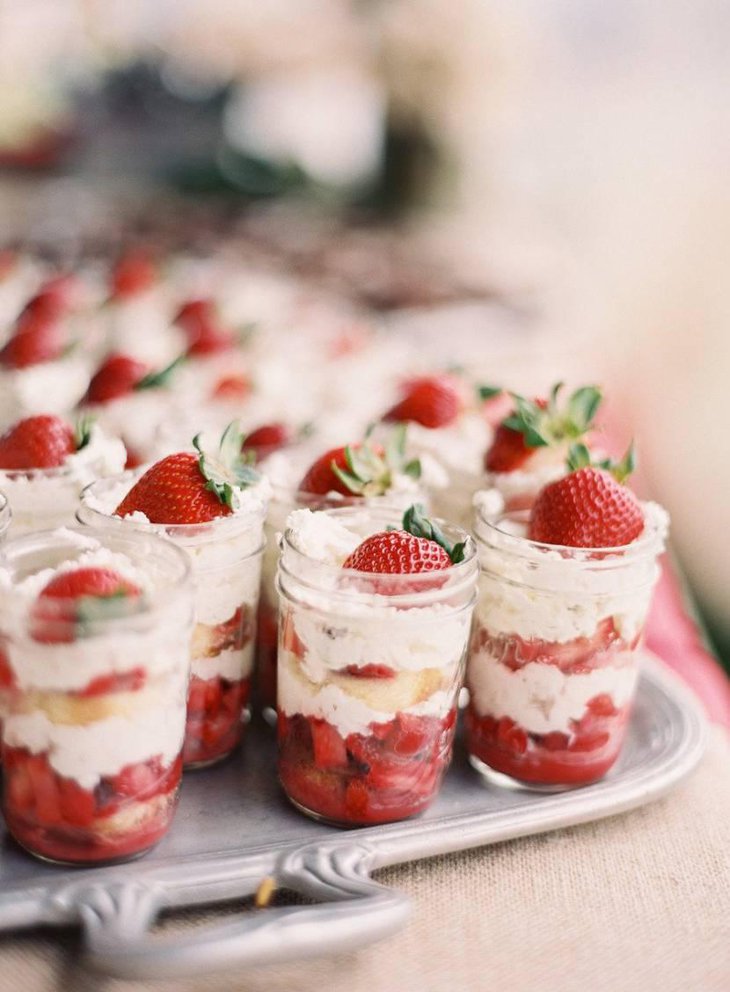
(44, 499)
(224, 554)
(232, 664)
(349, 714)
(361, 628)
(90, 752)
(541, 698)
(540, 594)
(49, 387)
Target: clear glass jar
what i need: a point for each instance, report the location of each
(44, 498)
(225, 555)
(552, 666)
(283, 501)
(370, 667)
(95, 708)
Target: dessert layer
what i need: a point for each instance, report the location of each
(539, 697)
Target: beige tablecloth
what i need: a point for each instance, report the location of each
(637, 903)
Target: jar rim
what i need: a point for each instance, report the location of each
(354, 584)
(183, 534)
(493, 530)
(148, 546)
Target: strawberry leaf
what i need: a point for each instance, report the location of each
(161, 378)
(582, 408)
(82, 431)
(488, 392)
(578, 457)
(417, 523)
(228, 470)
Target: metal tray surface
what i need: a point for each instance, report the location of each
(234, 827)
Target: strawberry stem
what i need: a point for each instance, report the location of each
(227, 471)
(154, 379)
(417, 523)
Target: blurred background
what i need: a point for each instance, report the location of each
(535, 187)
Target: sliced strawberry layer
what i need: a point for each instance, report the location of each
(585, 755)
(55, 817)
(582, 654)
(215, 718)
(389, 774)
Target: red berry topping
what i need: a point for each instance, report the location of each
(268, 438)
(133, 273)
(419, 547)
(76, 597)
(44, 441)
(363, 469)
(395, 552)
(173, 491)
(541, 423)
(588, 508)
(54, 298)
(433, 401)
(232, 388)
(37, 339)
(188, 489)
(508, 452)
(200, 322)
(321, 477)
(117, 376)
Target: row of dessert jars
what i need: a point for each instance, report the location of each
(283, 501)
(370, 668)
(95, 628)
(554, 653)
(225, 555)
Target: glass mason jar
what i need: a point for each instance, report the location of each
(44, 498)
(370, 667)
(225, 556)
(552, 666)
(283, 501)
(95, 705)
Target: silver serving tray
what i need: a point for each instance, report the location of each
(234, 827)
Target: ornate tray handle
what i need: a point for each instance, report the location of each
(354, 911)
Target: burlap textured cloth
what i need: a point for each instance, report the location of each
(636, 903)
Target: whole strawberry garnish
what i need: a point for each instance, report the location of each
(189, 489)
(54, 298)
(37, 339)
(267, 439)
(588, 508)
(119, 375)
(44, 441)
(419, 547)
(74, 600)
(541, 423)
(133, 273)
(432, 401)
(233, 388)
(200, 322)
(363, 469)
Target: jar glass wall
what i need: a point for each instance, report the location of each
(95, 697)
(553, 661)
(370, 667)
(225, 556)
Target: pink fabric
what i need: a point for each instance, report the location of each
(673, 635)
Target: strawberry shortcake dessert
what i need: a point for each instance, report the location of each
(211, 503)
(94, 632)
(375, 618)
(563, 597)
